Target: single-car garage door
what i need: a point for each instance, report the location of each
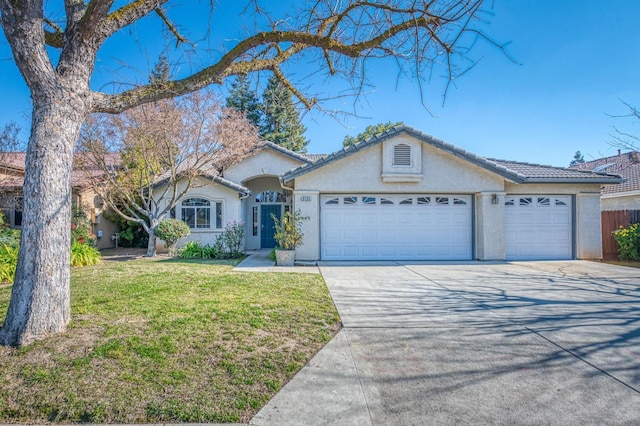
(396, 227)
(538, 227)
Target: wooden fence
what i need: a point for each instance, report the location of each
(612, 221)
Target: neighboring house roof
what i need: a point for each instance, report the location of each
(515, 171)
(15, 162)
(627, 165)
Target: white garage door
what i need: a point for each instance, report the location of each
(396, 227)
(538, 227)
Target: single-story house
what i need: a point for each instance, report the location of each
(404, 195)
(625, 196)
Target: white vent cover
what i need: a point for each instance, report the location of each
(402, 155)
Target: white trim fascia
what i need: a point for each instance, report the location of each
(402, 177)
(621, 194)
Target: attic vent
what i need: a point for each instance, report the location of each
(402, 155)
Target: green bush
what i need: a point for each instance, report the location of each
(195, 250)
(9, 236)
(8, 262)
(83, 254)
(81, 227)
(628, 240)
(232, 238)
(171, 230)
(289, 230)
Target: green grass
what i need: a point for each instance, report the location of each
(167, 341)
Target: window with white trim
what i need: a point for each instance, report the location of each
(402, 155)
(200, 213)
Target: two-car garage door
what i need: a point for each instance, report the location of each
(396, 227)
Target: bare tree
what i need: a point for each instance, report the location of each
(623, 139)
(141, 162)
(57, 59)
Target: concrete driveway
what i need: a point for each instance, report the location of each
(474, 343)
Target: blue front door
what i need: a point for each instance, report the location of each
(267, 227)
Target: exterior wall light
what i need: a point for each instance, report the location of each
(494, 199)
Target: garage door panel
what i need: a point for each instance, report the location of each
(407, 231)
(538, 227)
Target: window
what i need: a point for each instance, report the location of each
(402, 155)
(442, 200)
(350, 200)
(197, 212)
(424, 200)
(459, 202)
(560, 202)
(255, 221)
(271, 197)
(386, 202)
(17, 212)
(527, 201)
(332, 201)
(544, 201)
(407, 201)
(369, 201)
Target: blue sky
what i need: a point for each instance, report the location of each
(578, 59)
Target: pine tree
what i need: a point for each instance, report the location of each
(370, 132)
(243, 98)
(578, 158)
(282, 123)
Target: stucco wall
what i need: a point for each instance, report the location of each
(231, 209)
(628, 202)
(308, 202)
(266, 162)
(588, 226)
(490, 242)
(362, 172)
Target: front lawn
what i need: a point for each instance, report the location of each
(167, 341)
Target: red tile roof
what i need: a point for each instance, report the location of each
(625, 164)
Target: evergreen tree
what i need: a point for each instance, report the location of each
(160, 73)
(369, 132)
(578, 158)
(243, 98)
(282, 123)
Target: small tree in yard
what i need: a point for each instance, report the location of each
(171, 230)
(143, 161)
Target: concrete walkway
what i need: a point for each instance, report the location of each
(260, 261)
(473, 343)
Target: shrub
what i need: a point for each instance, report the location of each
(8, 262)
(289, 230)
(171, 230)
(83, 254)
(9, 236)
(81, 228)
(628, 240)
(232, 237)
(195, 250)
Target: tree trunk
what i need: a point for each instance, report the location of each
(40, 300)
(151, 247)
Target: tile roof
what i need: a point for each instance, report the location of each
(285, 151)
(14, 162)
(515, 171)
(625, 164)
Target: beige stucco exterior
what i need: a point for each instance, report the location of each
(620, 201)
(441, 173)
(371, 170)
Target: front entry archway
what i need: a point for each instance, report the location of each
(268, 197)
